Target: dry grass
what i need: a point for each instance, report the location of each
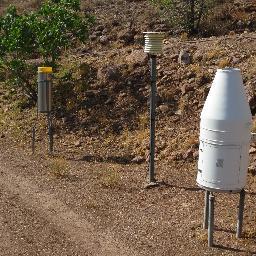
(251, 71)
(109, 178)
(224, 63)
(184, 36)
(58, 167)
(195, 69)
(135, 141)
(214, 53)
(253, 125)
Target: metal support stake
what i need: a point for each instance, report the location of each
(240, 214)
(153, 72)
(33, 139)
(50, 132)
(211, 220)
(206, 209)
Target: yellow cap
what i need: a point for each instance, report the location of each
(44, 69)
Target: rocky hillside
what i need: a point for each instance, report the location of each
(109, 114)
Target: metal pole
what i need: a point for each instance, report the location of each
(240, 214)
(211, 220)
(33, 139)
(153, 72)
(206, 209)
(50, 132)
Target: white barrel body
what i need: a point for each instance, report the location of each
(224, 134)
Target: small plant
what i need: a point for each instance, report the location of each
(254, 125)
(110, 179)
(58, 167)
(214, 53)
(224, 63)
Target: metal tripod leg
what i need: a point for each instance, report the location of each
(33, 139)
(240, 214)
(211, 220)
(206, 209)
(50, 133)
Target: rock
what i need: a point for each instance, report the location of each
(196, 154)
(184, 57)
(138, 159)
(77, 143)
(198, 56)
(188, 154)
(183, 89)
(104, 40)
(137, 57)
(174, 57)
(109, 73)
(126, 36)
(252, 168)
(178, 112)
(92, 37)
(191, 80)
(64, 120)
(202, 79)
(163, 108)
(249, 89)
(235, 60)
(105, 31)
(252, 150)
(98, 33)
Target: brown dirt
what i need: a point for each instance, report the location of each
(87, 211)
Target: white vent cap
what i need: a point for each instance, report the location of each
(153, 42)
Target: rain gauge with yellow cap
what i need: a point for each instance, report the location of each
(44, 102)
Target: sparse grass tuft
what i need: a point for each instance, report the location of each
(58, 167)
(224, 63)
(214, 53)
(184, 36)
(110, 179)
(254, 125)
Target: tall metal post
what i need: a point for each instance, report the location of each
(206, 209)
(211, 220)
(153, 46)
(153, 74)
(50, 132)
(240, 214)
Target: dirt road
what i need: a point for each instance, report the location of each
(35, 222)
(101, 209)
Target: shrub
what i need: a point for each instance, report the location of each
(44, 34)
(186, 15)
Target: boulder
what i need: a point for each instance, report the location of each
(108, 73)
(137, 57)
(184, 58)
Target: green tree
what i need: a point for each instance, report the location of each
(57, 26)
(186, 14)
